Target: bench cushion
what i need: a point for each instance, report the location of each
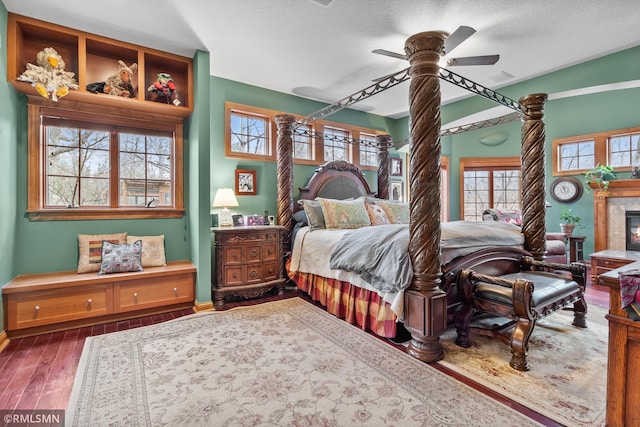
(548, 288)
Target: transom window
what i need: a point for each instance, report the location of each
(90, 166)
(251, 133)
(489, 183)
(368, 150)
(578, 154)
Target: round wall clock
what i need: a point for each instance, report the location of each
(566, 189)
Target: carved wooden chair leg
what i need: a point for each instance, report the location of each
(520, 344)
(580, 313)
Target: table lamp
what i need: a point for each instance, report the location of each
(225, 199)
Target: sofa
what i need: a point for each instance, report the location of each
(556, 242)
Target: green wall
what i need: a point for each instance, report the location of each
(564, 117)
(8, 168)
(222, 169)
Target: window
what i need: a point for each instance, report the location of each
(368, 149)
(574, 156)
(88, 166)
(251, 133)
(624, 150)
(303, 146)
(336, 144)
(578, 154)
(489, 183)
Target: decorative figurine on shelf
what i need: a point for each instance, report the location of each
(164, 90)
(118, 84)
(49, 77)
(635, 173)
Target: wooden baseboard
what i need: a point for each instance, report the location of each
(202, 306)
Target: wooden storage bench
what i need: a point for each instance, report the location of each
(37, 303)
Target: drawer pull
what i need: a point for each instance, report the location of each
(234, 275)
(253, 273)
(270, 252)
(135, 295)
(254, 253)
(271, 271)
(89, 300)
(234, 256)
(36, 308)
(175, 289)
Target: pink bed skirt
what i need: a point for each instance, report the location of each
(346, 301)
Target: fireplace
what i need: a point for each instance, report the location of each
(632, 221)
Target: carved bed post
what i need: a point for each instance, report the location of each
(425, 303)
(533, 173)
(284, 171)
(384, 142)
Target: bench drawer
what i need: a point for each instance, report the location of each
(150, 292)
(58, 305)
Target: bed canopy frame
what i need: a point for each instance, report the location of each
(425, 312)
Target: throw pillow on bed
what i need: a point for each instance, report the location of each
(397, 212)
(120, 258)
(313, 209)
(90, 249)
(152, 250)
(344, 213)
(377, 215)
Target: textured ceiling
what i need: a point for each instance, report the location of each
(324, 52)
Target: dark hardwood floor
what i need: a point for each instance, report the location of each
(38, 372)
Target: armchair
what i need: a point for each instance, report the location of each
(556, 242)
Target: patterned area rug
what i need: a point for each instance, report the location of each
(282, 363)
(567, 379)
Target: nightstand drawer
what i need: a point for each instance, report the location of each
(253, 253)
(254, 273)
(233, 255)
(271, 271)
(233, 275)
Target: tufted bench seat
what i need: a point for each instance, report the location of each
(526, 296)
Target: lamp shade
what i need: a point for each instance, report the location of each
(225, 199)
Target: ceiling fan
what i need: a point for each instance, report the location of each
(454, 40)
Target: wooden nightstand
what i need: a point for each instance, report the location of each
(609, 259)
(248, 261)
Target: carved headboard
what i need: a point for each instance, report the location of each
(336, 180)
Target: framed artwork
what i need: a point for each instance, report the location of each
(396, 166)
(246, 183)
(396, 191)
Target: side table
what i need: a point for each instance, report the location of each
(576, 251)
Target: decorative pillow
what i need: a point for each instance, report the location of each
(152, 250)
(119, 258)
(344, 214)
(300, 217)
(377, 215)
(511, 216)
(90, 248)
(397, 212)
(313, 209)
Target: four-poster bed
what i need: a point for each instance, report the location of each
(425, 301)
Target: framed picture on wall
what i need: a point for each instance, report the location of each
(396, 166)
(396, 191)
(246, 183)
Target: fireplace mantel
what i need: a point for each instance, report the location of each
(617, 188)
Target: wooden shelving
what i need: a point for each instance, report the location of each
(93, 59)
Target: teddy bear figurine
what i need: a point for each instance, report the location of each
(118, 84)
(164, 89)
(48, 77)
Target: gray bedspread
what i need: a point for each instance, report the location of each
(380, 254)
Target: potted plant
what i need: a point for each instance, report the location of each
(600, 175)
(569, 221)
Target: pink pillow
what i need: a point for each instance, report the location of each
(377, 215)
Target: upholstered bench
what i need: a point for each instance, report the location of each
(526, 296)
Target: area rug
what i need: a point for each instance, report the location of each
(282, 363)
(567, 379)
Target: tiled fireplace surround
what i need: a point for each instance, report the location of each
(609, 212)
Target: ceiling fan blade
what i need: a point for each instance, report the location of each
(473, 60)
(458, 36)
(389, 53)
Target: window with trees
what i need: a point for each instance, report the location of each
(489, 183)
(251, 132)
(89, 166)
(577, 154)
